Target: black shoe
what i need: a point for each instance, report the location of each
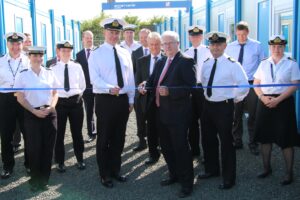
(151, 161)
(265, 174)
(184, 192)
(140, 147)
(5, 174)
(208, 175)
(61, 168)
(16, 148)
(106, 182)
(226, 185)
(81, 165)
(44, 187)
(253, 149)
(120, 178)
(34, 188)
(28, 171)
(168, 181)
(90, 139)
(286, 181)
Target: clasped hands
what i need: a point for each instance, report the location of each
(163, 90)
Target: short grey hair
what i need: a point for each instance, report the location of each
(87, 32)
(172, 34)
(154, 35)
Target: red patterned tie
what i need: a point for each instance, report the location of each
(159, 81)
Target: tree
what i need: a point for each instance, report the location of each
(94, 26)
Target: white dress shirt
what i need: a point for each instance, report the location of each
(152, 62)
(253, 54)
(29, 79)
(102, 69)
(76, 78)
(9, 69)
(227, 73)
(202, 54)
(132, 47)
(284, 72)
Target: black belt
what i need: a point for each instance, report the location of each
(251, 82)
(71, 97)
(220, 102)
(7, 94)
(42, 107)
(199, 84)
(110, 95)
(272, 95)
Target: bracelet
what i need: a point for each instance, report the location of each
(260, 96)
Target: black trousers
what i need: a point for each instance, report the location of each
(11, 112)
(152, 133)
(72, 109)
(112, 115)
(89, 105)
(140, 120)
(176, 151)
(194, 128)
(249, 104)
(217, 120)
(41, 133)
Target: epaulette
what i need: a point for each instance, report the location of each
(207, 47)
(23, 70)
(95, 48)
(50, 67)
(1, 56)
(231, 59)
(292, 59)
(206, 60)
(186, 50)
(265, 58)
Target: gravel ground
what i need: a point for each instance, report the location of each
(144, 181)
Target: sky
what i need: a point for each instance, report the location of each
(87, 9)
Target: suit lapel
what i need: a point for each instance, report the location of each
(148, 63)
(172, 66)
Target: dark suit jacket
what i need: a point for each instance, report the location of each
(81, 59)
(50, 62)
(180, 78)
(136, 54)
(143, 74)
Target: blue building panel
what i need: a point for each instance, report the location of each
(146, 5)
(263, 25)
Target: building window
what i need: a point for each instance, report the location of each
(68, 34)
(58, 34)
(19, 24)
(286, 26)
(221, 22)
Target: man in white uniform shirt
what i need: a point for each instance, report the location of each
(10, 110)
(248, 53)
(220, 70)
(129, 43)
(112, 78)
(69, 105)
(200, 53)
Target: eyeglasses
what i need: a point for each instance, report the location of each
(168, 43)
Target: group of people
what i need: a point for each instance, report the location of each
(178, 98)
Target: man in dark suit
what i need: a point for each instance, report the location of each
(141, 124)
(170, 88)
(53, 60)
(88, 95)
(145, 67)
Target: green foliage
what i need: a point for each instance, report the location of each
(94, 25)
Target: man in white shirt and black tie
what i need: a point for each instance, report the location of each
(112, 78)
(69, 106)
(248, 53)
(220, 70)
(200, 53)
(88, 95)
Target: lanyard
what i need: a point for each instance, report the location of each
(11, 70)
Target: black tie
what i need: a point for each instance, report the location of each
(211, 79)
(66, 81)
(118, 69)
(195, 55)
(241, 55)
